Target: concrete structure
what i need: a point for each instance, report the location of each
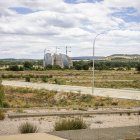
(61, 60)
(48, 59)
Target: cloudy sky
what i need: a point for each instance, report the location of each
(27, 27)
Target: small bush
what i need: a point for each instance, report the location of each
(27, 79)
(6, 104)
(27, 128)
(70, 124)
(2, 115)
(59, 82)
(45, 79)
(2, 95)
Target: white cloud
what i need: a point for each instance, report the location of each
(55, 23)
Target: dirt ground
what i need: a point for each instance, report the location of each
(46, 124)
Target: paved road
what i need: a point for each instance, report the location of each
(117, 133)
(104, 92)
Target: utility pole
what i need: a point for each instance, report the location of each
(67, 47)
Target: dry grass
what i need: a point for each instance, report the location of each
(27, 128)
(107, 79)
(25, 97)
(2, 115)
(70, 124)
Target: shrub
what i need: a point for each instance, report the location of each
(138, 68)
(2, 115)
(28, 65)
(6, 104)
(27, 79)
(114, 103)
(45, 79)
(70, 124)
(49, 67)
(27, 128)
(59, 82)
(15, 68)
(1, 94)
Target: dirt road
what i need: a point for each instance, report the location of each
(104, 92)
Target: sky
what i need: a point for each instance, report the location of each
(27, 27)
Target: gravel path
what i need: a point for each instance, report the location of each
(104, 92)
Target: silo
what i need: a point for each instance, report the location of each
(66, 61)
(70, 62)
(58, 60)
(48, 60)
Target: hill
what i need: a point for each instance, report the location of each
(123, 56)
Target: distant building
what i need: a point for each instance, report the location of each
(61, 60)
(48, 59)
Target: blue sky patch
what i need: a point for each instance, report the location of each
(22, 10)
(82, 1)
(127, 14)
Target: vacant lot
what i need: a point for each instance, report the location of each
(26, 97)
(103, 79)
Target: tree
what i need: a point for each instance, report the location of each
(78, 67)
(49, 67)
(85, 67)
(28, 65)
(15, 68)
(138, 68)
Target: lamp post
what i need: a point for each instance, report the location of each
(93, 61)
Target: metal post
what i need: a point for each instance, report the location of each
(93, 66)
(66, 50)
(67, 47)
(93, 81)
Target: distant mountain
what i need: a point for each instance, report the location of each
(8, 59)
(130, 55)
(88, 58)
(123, 56)
(14, 59)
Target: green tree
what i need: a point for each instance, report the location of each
(85, 67)
(138, 68)
(15, 68)
(49, 67)
(28, 65)
(78, 67)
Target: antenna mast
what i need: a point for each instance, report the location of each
(67, 47)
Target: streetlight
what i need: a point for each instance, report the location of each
(93, 60)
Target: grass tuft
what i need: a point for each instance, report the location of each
(28, 128)
(70, 124)
(2, 115)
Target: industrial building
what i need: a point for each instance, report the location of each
(61, 60)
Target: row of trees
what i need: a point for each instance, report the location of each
(26, 66)
(81, 65)
(106, 65)
(20, 62)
